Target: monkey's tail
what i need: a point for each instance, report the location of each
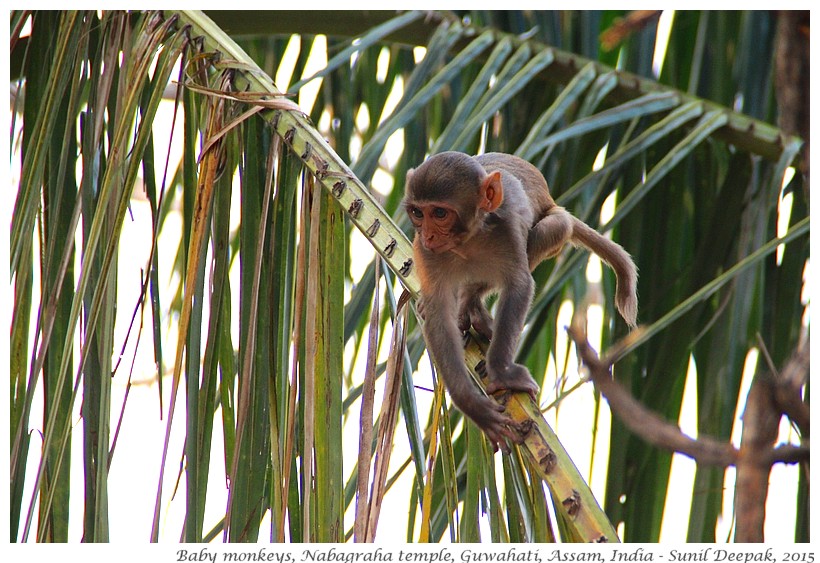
(626, 297)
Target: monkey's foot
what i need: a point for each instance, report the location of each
(478, 318)
(514, 377)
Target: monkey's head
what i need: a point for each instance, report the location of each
(447, 198)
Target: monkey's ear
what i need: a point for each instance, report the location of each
(407, 180)
(491, 193)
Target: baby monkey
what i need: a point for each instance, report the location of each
(483, 224)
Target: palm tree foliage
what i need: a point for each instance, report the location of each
(271, 315)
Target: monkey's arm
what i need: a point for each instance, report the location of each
(513, 304)
(444, 344)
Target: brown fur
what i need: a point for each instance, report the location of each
(482, 224)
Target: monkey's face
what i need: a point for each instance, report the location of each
(437, 225)
(447, 197)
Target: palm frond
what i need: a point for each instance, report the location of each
(266, 316)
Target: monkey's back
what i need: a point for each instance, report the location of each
(532, 181)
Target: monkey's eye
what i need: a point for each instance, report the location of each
(439, 213)
(415, 212)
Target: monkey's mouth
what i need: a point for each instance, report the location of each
(438, 247)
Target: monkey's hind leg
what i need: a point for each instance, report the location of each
(472, 312)
(547, 237)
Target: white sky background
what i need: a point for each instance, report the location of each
(134, 471)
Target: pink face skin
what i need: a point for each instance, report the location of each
(434, 222)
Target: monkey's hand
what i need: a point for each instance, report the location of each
(513, 377)
(488, 415)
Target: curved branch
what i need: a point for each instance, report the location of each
(645, 423)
